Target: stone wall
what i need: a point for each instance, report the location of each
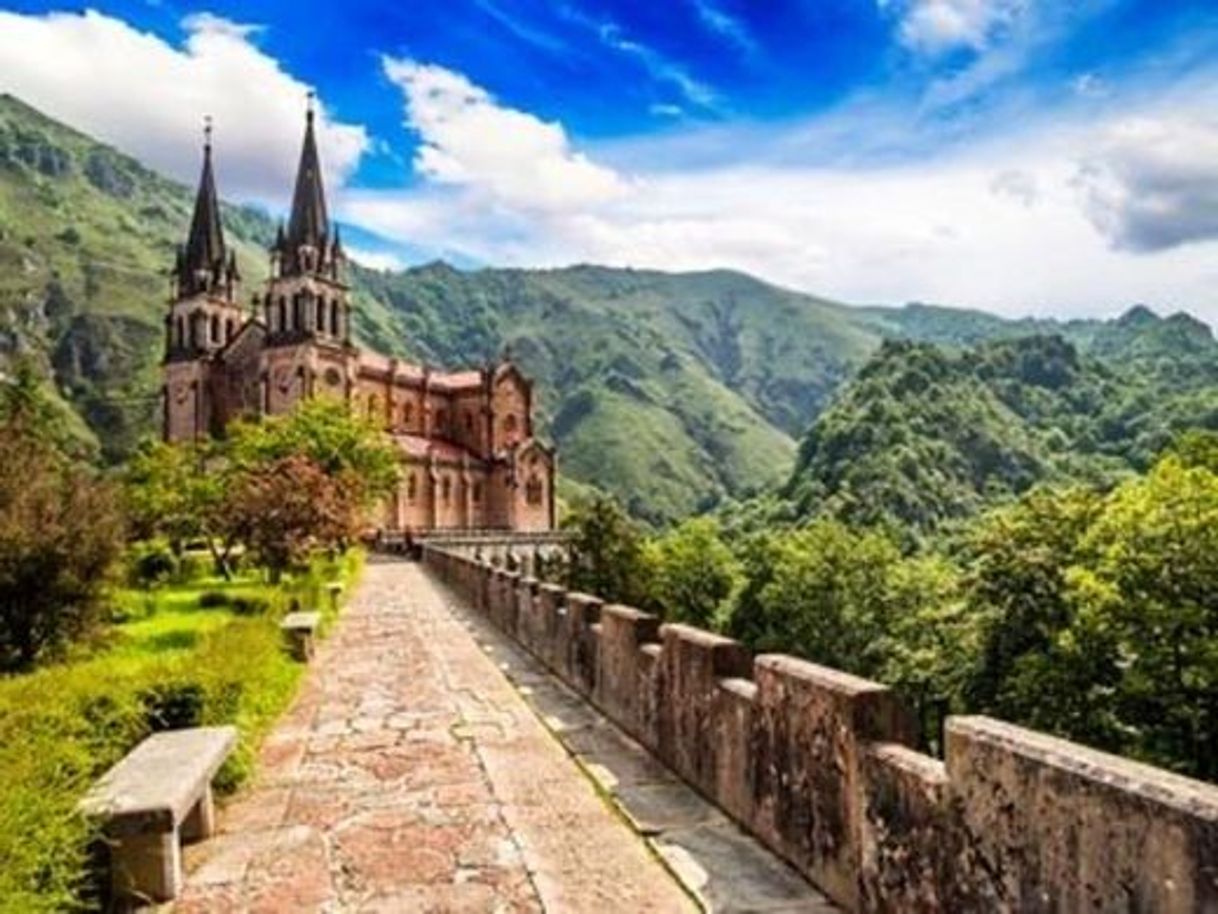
(816, 763)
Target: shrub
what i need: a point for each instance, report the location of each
(213, 599)
(173, 705)
(150, 562)
(60, 532)
(251, 605)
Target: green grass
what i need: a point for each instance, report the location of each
(172, 662)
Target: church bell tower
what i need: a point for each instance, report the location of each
(306, 298)
(204, 314)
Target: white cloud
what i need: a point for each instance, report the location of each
(1152, 182)
(1017, 184)
(659, 67)
(506, 157)
(1000, 225)
(147, 97)
(376, 260)
(936, 26)
(726, 26)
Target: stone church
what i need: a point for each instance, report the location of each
(470, 458)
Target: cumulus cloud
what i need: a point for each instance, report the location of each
(148, 97)
(1152, 183)
(503, 155)
(937, 26)
(1017, 184)
(1000, 225)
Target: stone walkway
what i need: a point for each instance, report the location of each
(410, 776)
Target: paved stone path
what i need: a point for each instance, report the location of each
(410, 776)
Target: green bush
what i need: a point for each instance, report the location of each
(251, 605)
(150, 562)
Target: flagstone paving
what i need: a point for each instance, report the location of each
(411, 776)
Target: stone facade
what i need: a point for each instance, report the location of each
(470, 458)
(818, 765)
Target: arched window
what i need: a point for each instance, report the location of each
(230, 329)
(407, 413)
(283, 315)
(181, 330)
(334, 317)
(441, 419)
(534, 491)
(469, 421)
(510, 425)
(215, 328)
(447, 488)
(412, 487)
(477, 492)
(321, 315)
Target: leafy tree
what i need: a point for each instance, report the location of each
(1155, 593)
(1040, 663)
(60, 532)
(178, 491)
(606, 552)
(829, 595)
(286, 509)
(328, 433)
(693, 573)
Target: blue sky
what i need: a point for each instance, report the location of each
(1025, 156)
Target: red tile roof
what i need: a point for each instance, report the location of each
(421, 448)
(458, 380)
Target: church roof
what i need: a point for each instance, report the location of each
(457, 380)
(421, 447)
(309, 222)
(204, 254)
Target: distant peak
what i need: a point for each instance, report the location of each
(1138, 316)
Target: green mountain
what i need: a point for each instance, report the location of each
(926, 433)
(673, 391)
(670, 390)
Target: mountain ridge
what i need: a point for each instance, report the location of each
(675, 391)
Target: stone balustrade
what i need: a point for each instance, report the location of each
(817, 764)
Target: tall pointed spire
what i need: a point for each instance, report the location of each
(203, 259)
(309, 221)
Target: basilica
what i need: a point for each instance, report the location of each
(469, 456)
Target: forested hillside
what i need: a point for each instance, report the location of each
(926, 433)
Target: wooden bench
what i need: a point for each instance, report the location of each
(300, 630)
(156, 797)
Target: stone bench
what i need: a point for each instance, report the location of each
(300, 630)
(157, 796)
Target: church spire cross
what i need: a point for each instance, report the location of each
(204, 256)
(309, 221)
